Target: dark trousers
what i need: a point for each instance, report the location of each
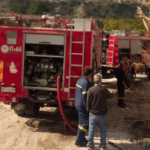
(83, 123)
(120, 88)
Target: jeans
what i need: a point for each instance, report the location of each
(101, 121)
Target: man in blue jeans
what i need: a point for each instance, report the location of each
(97, 107)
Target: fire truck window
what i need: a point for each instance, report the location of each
(45, 49)
(143, 45)
(148, 45)
(124, 49)
(136, 47)
(136, 58)
(123, 44)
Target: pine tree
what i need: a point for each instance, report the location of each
(80, 12)
(35, 8)
(16, 8)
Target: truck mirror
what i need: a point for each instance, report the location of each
(107, 41)
(100, 24)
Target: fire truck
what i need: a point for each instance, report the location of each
(130, 47)
(40, 65)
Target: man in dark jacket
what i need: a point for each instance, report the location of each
(97, 106)
(121, 85)
(82, 87)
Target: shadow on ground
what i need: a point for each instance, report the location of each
(51, 121)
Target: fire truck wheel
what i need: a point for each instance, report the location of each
(20, 112)
(129, 78)
(32, 109)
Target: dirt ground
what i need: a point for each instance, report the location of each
(46, 132)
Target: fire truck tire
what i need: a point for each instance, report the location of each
(32, 109)
(129, 78)
(20, 112)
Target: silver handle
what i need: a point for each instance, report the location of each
(44, 42)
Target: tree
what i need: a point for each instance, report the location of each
(124, 24)
(80, 11)
(16, 8)
(146, 19)
(35, 8)
(111, 24)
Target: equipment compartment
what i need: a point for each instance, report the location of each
(44, 39)
(42, 72)
(42, 49)
(43, 62)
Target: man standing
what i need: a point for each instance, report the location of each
(82, 87)
(97, 106)
(121, 85)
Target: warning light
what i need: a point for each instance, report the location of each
(147, 35)
(51, 77)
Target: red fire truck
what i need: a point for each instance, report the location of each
(130, 47)
(41, 65)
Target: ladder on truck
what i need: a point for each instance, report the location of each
(75, 65)
(110, 52)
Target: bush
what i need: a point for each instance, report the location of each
(124, 24)
(16, 8)
(35, 8)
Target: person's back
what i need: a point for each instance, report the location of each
(120, 76)
(97, 104)
(81, 87)
(121, 85)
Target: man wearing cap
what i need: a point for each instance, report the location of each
(82, 87)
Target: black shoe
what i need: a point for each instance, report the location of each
(80, 144)
(90, 148)
(122, 106)
(103, 148)
(86, 141)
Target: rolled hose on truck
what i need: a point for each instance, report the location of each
(61, 107)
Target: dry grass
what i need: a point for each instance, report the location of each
(37, 23)
(140, 112)
(146, 19)
(137, 95)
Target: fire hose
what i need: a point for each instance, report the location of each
(60, 105)
(132, 81)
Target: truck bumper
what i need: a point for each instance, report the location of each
(9, 99)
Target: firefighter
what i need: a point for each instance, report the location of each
(82, 87)
(121, 84)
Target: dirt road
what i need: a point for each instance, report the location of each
(46, 132)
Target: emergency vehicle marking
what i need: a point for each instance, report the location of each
(84, 92)
(79, 86)
(82, 128)
(6, 49)
(12, 49)
(12, 68)
(1, 71)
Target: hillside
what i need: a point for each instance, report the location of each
(117, 15)
(103, 9)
